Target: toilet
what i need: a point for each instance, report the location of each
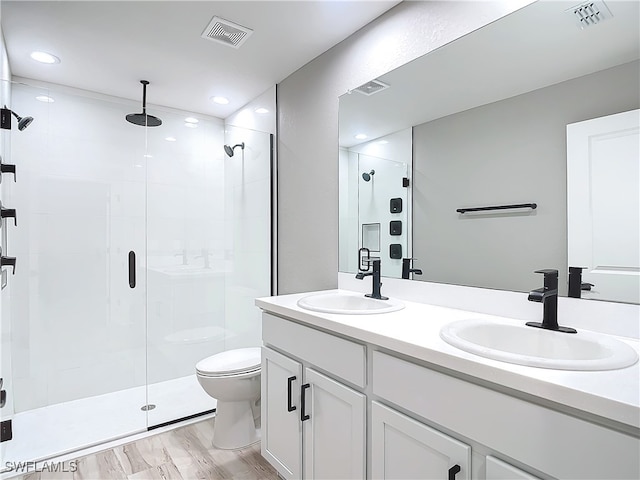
(232, 378)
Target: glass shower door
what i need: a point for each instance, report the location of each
(78, 327)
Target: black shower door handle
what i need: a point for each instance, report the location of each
(132, 269)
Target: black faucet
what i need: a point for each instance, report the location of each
(576, 286)
(548, 296)
(406, 268)
(375, 274)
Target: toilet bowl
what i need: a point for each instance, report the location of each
(233, 378)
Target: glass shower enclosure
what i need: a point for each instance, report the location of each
(89, 353)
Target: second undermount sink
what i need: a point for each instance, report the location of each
(516, 343)
(348, 304)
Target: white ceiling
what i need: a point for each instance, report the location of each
(109, 46)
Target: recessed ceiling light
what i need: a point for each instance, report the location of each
(147, 155)
(44, 57)
(191, 120)
(220, 100)
(360, 136)
(170, 139)
(45, 98)
(383, 142)
(262, 110)
(190, 125)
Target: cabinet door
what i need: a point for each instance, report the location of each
(281, 379)
(499, 470)
(402, 448)
(334, 433)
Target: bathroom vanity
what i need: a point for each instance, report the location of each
(383, 396)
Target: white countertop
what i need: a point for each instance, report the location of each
(415, 331)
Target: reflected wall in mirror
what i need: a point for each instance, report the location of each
(375, 202)
(489, 114)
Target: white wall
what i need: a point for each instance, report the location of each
(308, 125)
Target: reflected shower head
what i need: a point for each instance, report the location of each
(143, 119)
(230, 150)
(367, 176)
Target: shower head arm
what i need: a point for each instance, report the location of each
(144, 95)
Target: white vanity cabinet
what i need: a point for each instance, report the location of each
(404, 448)
(313, 425)
(424, 422)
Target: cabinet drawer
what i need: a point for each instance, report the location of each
(340, 357)
(558, 444)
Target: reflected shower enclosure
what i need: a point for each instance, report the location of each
(92, 358)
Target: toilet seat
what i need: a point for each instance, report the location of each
(230, 363)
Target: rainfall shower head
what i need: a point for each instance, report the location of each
(23, 122)
(230, 150)
(367, 176)
(143, 119)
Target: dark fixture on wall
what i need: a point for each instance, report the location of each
(143, 119)
(5, 119)
(366, 176)
(229, 150)
(548, 296)
(532, 206)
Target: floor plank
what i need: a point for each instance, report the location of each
(184, 453)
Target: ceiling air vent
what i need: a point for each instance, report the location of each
(226, 32)
(369, 88)
(590, 13)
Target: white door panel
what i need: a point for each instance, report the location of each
(603, 204)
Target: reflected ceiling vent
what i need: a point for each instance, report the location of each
(226, 32)
(369, 88)
(590, 13)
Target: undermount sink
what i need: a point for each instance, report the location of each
(514, 343)
(348, 304)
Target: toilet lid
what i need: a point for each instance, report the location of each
(232, 361)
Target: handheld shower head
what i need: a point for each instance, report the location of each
(367, 176)
(229, 150)
(23, 122)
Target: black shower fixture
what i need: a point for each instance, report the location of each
(366, 176)
(143, 119)
(230, 150)
(5, 119)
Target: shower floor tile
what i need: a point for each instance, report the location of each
(63, 428)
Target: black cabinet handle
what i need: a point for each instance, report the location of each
(8, 262)
(453, 471)
(290, 407)
(132, 269)
(303, 414)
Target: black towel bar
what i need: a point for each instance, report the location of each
(532, 206)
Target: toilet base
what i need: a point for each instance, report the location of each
(234, 425)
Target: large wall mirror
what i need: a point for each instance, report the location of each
(505, 116)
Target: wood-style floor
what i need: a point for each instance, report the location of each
(184, 453)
